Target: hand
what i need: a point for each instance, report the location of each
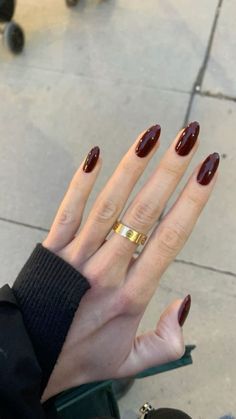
(102, 342)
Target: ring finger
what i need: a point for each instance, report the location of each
(148, 204)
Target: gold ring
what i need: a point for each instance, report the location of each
(125, 231)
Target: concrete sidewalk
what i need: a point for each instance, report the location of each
(98, 75)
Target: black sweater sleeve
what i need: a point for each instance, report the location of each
(35, 316)
(48, 291)
(20, 373)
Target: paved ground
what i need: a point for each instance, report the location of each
(98, 75)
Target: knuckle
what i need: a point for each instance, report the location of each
(128, 302)
(143, 214)
(96, 276)
(172, 170)
(65, 217)
(171, 239)
(105, 210)
(177, 349)
(194, 200)
(125, 301)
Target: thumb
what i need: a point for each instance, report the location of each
(162, 345)
(169, 327)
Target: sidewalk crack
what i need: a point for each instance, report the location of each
(209, 268)
(6, 220)
(218, 95)
(199, 79)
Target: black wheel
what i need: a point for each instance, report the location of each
(71, 3)
(14, 38)
(7, 8)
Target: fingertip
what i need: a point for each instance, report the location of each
(147, 141)
(187, 139)
(91, 159)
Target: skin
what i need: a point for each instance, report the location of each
(101, 342)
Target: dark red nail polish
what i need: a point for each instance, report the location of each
(208, 169)
(91, 160)
(148, 141)
(184, 310)
(187, 139)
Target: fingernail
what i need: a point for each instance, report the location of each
(91, 160)
(184, 310)
(208, 169)
(148, 141)
(187, 139)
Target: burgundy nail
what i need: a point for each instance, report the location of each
(184, 310)
(208, 169)
(187, 139)
(148, 141)
(91, 160)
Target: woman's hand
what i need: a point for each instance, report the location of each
(102, 342)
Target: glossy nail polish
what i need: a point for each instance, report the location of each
(187, 139)
(184, 310)
(208, 169)
(91, 159)
(148, 141)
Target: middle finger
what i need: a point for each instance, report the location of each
(149, 203)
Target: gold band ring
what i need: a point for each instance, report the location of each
(125, 231)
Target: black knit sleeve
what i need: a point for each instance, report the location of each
(48, 291)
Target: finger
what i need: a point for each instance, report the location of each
(113, 197)
(159, 346)
(70, 212)
(169, 237)
(148, 205)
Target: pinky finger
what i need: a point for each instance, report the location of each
(70, 213)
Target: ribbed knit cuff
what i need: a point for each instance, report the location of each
(48, 291)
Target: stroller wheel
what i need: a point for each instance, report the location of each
(7, 8)
(13, 38)
(71, 3)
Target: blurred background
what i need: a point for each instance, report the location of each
(98, 74)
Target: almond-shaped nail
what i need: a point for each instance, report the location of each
(91, 159)
(184, 310)
(208, 169)
(148, 141)
(187, 139)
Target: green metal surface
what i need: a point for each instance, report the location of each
(87, 401)
(185, 360)
(98, 399)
